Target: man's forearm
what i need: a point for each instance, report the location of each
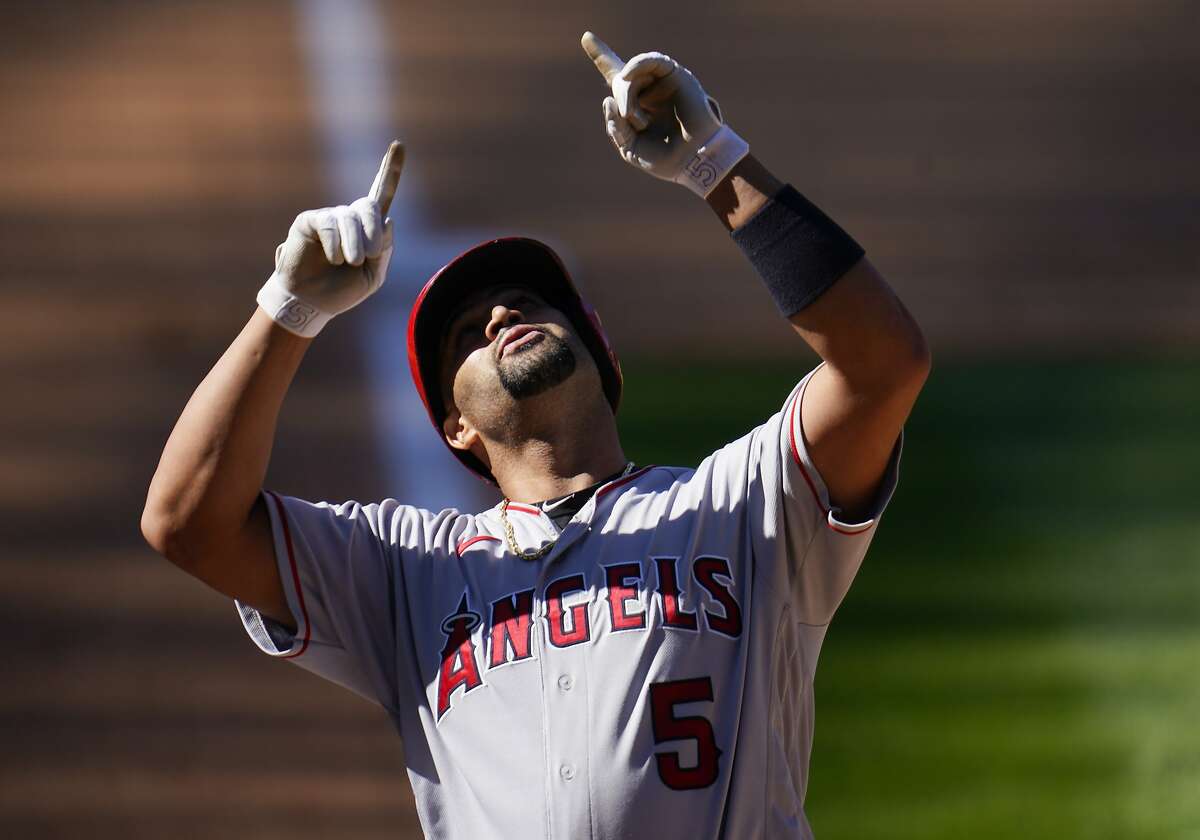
(857, 324)
(743, 193)
(214, 462)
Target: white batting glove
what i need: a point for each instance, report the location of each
(661, 120)
(333, 258)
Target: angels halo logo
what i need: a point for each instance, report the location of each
(459, 666)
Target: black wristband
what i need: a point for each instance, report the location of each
(797, 250)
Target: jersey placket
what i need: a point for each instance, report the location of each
(565, 640)
(565, 707)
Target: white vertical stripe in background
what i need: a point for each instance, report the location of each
(353, 94)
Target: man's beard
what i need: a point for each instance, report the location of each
(537, 369)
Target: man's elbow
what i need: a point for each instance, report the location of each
(168, 534)
(899, 362)
(159, 529)
(913, 359)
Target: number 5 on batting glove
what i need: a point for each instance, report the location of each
(333, 258)
(661, 120)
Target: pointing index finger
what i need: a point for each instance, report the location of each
(607, 62)
(388, 177)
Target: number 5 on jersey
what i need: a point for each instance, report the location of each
(664, 696)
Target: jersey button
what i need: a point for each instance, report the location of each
(565, 683)
(567, 771)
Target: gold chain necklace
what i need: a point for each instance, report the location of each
(536, 553)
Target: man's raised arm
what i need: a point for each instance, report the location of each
(203, 510)
(876, 359)
(662, 121)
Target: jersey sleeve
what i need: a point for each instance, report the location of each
(341, 569)
(789, 514)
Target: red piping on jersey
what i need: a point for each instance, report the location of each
(804, 472)
(621, 481)
(465, 544)
(522, 508)
(287, 539)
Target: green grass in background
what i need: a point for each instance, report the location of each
(1020, 654)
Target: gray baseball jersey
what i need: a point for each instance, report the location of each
(652, 676)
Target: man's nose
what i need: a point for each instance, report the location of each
(502, 316)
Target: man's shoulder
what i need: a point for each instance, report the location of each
(401, 524)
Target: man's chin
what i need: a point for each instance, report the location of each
(537, 369)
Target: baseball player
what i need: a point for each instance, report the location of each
(613, 650)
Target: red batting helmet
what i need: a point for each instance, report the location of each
(509, 260)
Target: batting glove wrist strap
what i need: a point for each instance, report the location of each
(290, 312)
(713, 161)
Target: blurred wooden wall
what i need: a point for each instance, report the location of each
(152, 157)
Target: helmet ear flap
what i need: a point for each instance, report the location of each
(598, 328)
